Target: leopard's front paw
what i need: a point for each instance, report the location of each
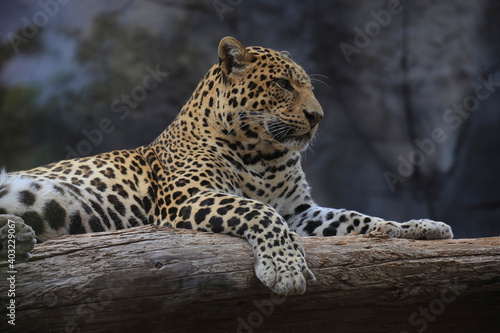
(426, 229)
(283, 268)
(16, 235)
(389, 228)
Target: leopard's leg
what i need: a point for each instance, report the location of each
(16, 236)
(280, 258)
(320, 221)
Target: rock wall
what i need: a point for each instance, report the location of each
(410, 90)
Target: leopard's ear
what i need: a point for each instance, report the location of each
(286, 54)
(233, 57)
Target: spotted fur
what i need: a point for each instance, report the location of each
(229, 163)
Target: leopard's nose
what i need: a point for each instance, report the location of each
(314, 117)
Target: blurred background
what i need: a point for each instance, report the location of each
(410, 89)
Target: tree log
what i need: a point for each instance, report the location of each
(154, 279)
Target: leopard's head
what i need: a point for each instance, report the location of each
(267, 97)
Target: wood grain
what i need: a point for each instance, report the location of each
(153, 279)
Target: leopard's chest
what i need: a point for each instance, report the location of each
(274, 187)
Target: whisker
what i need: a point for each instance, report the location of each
(319, 81)
(279, 130)
(275, 127)
(234, 123)
(314, 78)
(241, 115)
(315, 75)
(245, 124)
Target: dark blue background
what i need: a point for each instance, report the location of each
(411, 130)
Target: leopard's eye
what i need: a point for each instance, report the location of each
(285, 84)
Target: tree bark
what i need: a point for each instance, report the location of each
(153, 279)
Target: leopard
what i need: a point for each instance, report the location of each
(230, 163)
